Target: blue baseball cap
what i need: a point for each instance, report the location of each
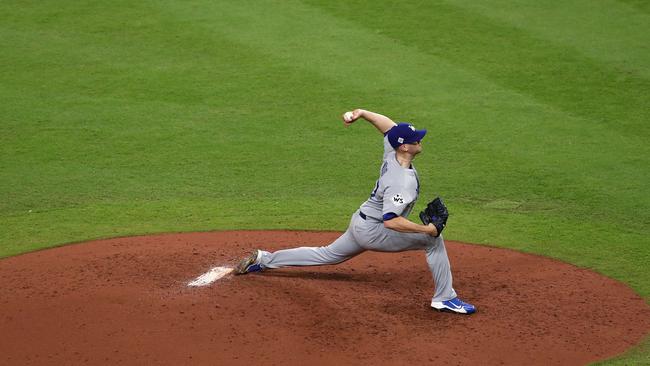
(404, 133)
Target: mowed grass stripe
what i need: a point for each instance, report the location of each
(513, 58)
(557, 138)
(640, 5)
(106, 148)
(223, 86)
(598, 139)
(617, 37)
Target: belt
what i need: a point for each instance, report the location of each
(363, 216)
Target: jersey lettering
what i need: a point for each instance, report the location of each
(384, 168)
(374, 191)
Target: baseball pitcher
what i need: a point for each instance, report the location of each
(381, 223)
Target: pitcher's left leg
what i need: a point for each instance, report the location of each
(387, 240)
(440, 269)
(444, 298)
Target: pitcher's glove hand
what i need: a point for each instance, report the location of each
(435, 213)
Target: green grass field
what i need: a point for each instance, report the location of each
(123, 118)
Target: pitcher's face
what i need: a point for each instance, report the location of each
(413, 148)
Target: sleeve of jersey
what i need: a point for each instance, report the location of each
(396, 200)
(387, 148)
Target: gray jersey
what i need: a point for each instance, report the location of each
(396, 189)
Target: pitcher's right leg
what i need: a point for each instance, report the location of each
(342, 249)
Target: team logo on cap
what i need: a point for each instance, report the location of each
(400, 140)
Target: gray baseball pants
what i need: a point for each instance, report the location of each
(370, 234)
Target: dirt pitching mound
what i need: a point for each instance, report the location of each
(126, 301)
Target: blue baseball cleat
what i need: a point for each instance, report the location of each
(250, 263)
(454, 305)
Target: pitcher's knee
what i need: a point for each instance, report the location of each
(434, 243)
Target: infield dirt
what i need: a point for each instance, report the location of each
(125, 301)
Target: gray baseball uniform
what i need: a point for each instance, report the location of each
(394, 194)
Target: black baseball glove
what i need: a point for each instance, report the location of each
(435, 213)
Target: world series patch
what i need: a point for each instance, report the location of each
(398, 200)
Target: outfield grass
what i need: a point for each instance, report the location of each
(125, 118)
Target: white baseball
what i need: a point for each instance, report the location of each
(347, 116)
